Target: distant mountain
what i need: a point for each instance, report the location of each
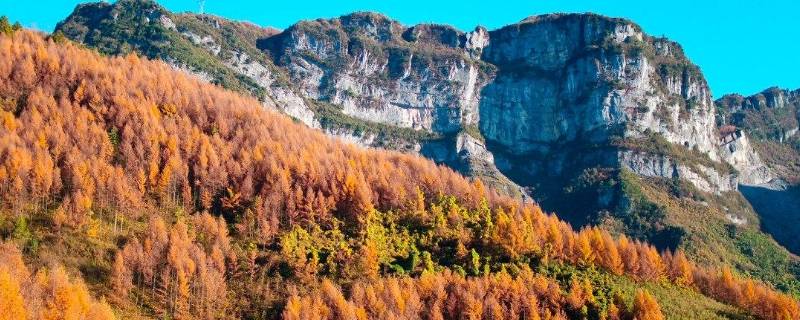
(771, 117)
(587, 115)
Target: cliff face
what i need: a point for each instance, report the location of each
(378, 70)
(773, 114)
(772, 119)
(427, 78)
(537, 98)
(543, 89)
(588, 115)
(564, 78)
(567, 83)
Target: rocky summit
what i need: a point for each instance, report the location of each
(587, 115)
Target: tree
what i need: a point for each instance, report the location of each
(645, 307)
(5, 26)
(121, 278)
(103, 134)
(680, 270)
(11, 301)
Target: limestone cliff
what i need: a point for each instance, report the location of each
(771, 118)
(539, 91)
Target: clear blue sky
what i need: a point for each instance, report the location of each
(741, 46)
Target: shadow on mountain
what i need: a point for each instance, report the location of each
(780, 212)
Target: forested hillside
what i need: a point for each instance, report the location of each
(166, 197)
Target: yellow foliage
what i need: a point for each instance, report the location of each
(12, 306)
(645, 307)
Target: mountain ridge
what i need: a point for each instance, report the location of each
(563, 116)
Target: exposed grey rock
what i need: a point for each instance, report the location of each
(278, 97)
(475, 41)
(556, 83)
(702, 177)
(741, 155)
(531, 88)
(770, 98)
(550, 94)
(167, 22)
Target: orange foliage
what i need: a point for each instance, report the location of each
(126, 134)
(436, 296)
(49, 294)
(187, 274)
(645, 307)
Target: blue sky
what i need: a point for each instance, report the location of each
(741, 46)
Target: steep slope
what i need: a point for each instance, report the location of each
(225, 52)
(591, 116)
(772, 118)
(217, 50)
(177, 199)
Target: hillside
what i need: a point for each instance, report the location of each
(772, 117)
(173, 198)
(586, 115)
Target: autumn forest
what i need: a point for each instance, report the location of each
(129, 189)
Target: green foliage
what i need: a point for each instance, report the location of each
(24, 236)
(475, 262)
(772, 263)
(58, 37)
(473, 131)
(7, 28)
(113, 137)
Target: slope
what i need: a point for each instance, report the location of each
(772, 116)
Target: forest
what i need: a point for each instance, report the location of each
(131, 190)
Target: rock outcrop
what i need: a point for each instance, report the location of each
(773, 114)
(378, 70)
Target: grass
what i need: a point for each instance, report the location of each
(711, 239)
(680, 303)
(676, 302)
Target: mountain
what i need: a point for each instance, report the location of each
(771, 117)
(168, 197)
(587, 115)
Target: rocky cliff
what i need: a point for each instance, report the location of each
(772, 119)
(773, 114)
(539, 91)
